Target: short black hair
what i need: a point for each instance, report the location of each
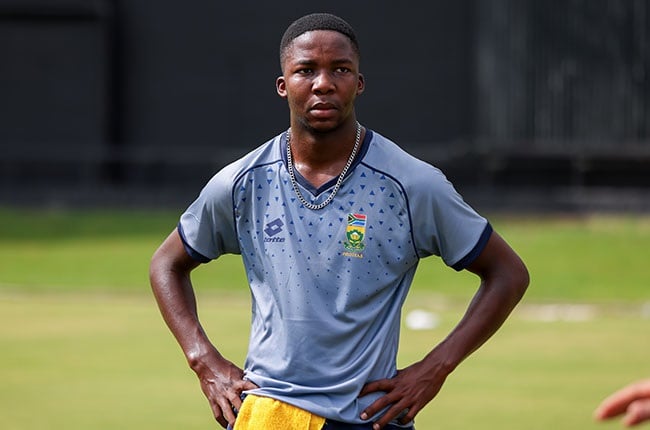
(317, 21)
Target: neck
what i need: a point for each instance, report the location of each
(319, 149)
(320, 157)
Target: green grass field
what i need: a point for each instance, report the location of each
(83, 345)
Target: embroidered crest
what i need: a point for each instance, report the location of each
(355, 233)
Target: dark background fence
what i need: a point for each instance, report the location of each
(525, 104)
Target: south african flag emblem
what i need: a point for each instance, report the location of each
(355, 232)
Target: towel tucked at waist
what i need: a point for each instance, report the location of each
(265, 413)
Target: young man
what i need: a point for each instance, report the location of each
(331, 220)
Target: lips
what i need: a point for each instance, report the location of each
(323, 106)
(323, 111)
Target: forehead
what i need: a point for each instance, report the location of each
(319, 43)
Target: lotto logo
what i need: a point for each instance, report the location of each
(272, 229)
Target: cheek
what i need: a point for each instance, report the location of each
(296, 93)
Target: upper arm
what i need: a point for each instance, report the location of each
(499, 261)
(171, 255)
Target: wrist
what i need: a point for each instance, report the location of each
(199, 354)
(442, 359)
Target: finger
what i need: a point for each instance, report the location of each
(222, 421)
(229, 413)
(379, 404)
(618, 402)
(236, 400)
(612, 406)
(607, 410)
(223, 412)
(395, 412)
(374, 386)
(250, 385)
(217, 414)
(235, 405)
(407, 415)
(638, 412)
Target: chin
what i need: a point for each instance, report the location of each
(321, 126)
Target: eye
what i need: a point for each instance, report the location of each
(342, 70)
(304, 71)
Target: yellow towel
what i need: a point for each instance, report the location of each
(263, 413)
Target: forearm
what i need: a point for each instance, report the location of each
(177, 303)
(504, 280)
(169, 275)
(486, 313)
(222, 382)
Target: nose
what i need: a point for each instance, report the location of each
(323, 83)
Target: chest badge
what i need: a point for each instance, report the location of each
(355, 232)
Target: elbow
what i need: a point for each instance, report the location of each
(519, 279)
(155, 268)
(170, 264)
(161, 267)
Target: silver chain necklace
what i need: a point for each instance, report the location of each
(339, 181)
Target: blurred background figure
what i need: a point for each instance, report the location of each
(632, 401)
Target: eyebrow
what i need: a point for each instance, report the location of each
(309, 62)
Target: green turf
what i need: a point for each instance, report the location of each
(83, 345)
(587, 258)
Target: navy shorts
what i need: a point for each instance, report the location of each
(336, 425)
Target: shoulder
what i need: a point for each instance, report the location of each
(409, 171)
(265, 154)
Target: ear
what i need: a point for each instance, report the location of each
(361, 84)
(281, 87)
